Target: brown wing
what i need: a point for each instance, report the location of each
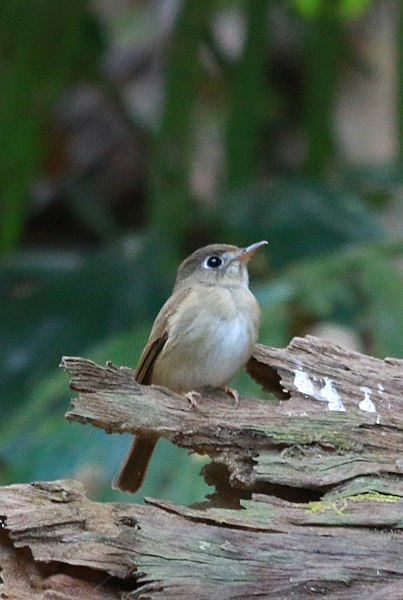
(158, 337)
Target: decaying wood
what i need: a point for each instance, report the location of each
(316, 474)
(272, 549)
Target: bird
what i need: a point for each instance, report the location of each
(202, 336)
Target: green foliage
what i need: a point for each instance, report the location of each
(342, 8)
(43, 46)
(358, 287)
(247, 110)
(382, 292)
(97, 297)
(324, 52)
(298, 217)
(171, 197)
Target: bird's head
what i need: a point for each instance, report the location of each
(217, 264)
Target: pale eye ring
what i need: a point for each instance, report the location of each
(213, 262)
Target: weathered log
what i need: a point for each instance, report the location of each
(57, 543)
(343, 417)
(316, 475)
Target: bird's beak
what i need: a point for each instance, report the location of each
(246, 253)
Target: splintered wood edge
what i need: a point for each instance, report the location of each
(86, 375)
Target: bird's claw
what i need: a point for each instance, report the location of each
(234, 393)
(192, 397)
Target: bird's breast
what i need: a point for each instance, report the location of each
(210, 337)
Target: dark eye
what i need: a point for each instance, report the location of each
(213, 262)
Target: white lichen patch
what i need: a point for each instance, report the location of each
(330, 395)
(366, 403)
(311, 387)
(381, 390)
(303, 383)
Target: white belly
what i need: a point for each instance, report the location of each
(206, 348)
(230, 347)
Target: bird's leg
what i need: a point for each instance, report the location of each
(192, 397)
(234, 393)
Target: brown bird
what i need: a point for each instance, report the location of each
(202, 336)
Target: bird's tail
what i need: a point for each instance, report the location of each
(134, 467)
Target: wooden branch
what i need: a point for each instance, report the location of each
(316, 472)
(343, 418)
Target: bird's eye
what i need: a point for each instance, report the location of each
(213, 262)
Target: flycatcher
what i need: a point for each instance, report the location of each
(202, 336)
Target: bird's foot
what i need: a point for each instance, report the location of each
(234, 393)
(192, 397)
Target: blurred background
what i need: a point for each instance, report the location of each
(133, 132)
